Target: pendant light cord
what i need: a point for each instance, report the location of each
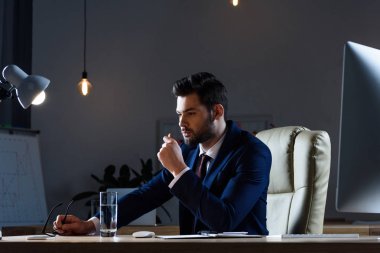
(85, 35)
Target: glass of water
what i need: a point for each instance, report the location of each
(108, 214)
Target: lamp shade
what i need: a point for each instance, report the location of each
(28, 87)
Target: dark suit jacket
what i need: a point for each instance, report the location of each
(232, 196)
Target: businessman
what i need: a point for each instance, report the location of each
(220, 174)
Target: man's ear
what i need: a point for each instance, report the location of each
(218, 111)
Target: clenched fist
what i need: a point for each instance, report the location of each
(170, 156)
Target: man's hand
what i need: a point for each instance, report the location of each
(170, 155)
(73, 226)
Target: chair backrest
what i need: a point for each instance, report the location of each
(298, 179)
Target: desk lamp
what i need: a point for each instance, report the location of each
(29, 89)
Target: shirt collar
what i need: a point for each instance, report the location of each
(213, 151)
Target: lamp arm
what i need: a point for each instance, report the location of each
(6, 90)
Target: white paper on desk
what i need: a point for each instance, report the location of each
(204, 236)
(227, 235)
(181, 236)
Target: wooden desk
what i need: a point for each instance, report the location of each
(159, 230)
(347, 228)
(125, 243)
(328, 228)
(126, 230)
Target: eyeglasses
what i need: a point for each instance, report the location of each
(51, 234)
(54, 233)
(79, 196)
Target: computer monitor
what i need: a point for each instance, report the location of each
(358, 186)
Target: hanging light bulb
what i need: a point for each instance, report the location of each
(84, 86)
(235, 2)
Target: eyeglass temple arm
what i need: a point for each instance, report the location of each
(48, 218)
(67, 211)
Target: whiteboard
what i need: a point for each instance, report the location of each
(22, 195)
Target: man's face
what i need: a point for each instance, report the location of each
(195, 120)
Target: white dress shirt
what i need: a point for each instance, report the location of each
(212, 153)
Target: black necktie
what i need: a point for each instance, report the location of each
(201, 173)
(202, 167)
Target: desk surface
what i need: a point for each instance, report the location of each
(328, 228)
(126, 243)
(346, 228)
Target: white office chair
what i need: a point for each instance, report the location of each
(298, 179)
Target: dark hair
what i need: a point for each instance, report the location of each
(210, 90)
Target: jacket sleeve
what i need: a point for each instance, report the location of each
(240, 183)
(144, 199)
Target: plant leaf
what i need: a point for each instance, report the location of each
(125, 176)
(136, 173)
(84, 195)
(97, 179)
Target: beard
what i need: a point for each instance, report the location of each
(205, 133)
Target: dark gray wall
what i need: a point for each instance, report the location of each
(279, 57)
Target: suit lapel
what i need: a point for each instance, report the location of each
(224, 154)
